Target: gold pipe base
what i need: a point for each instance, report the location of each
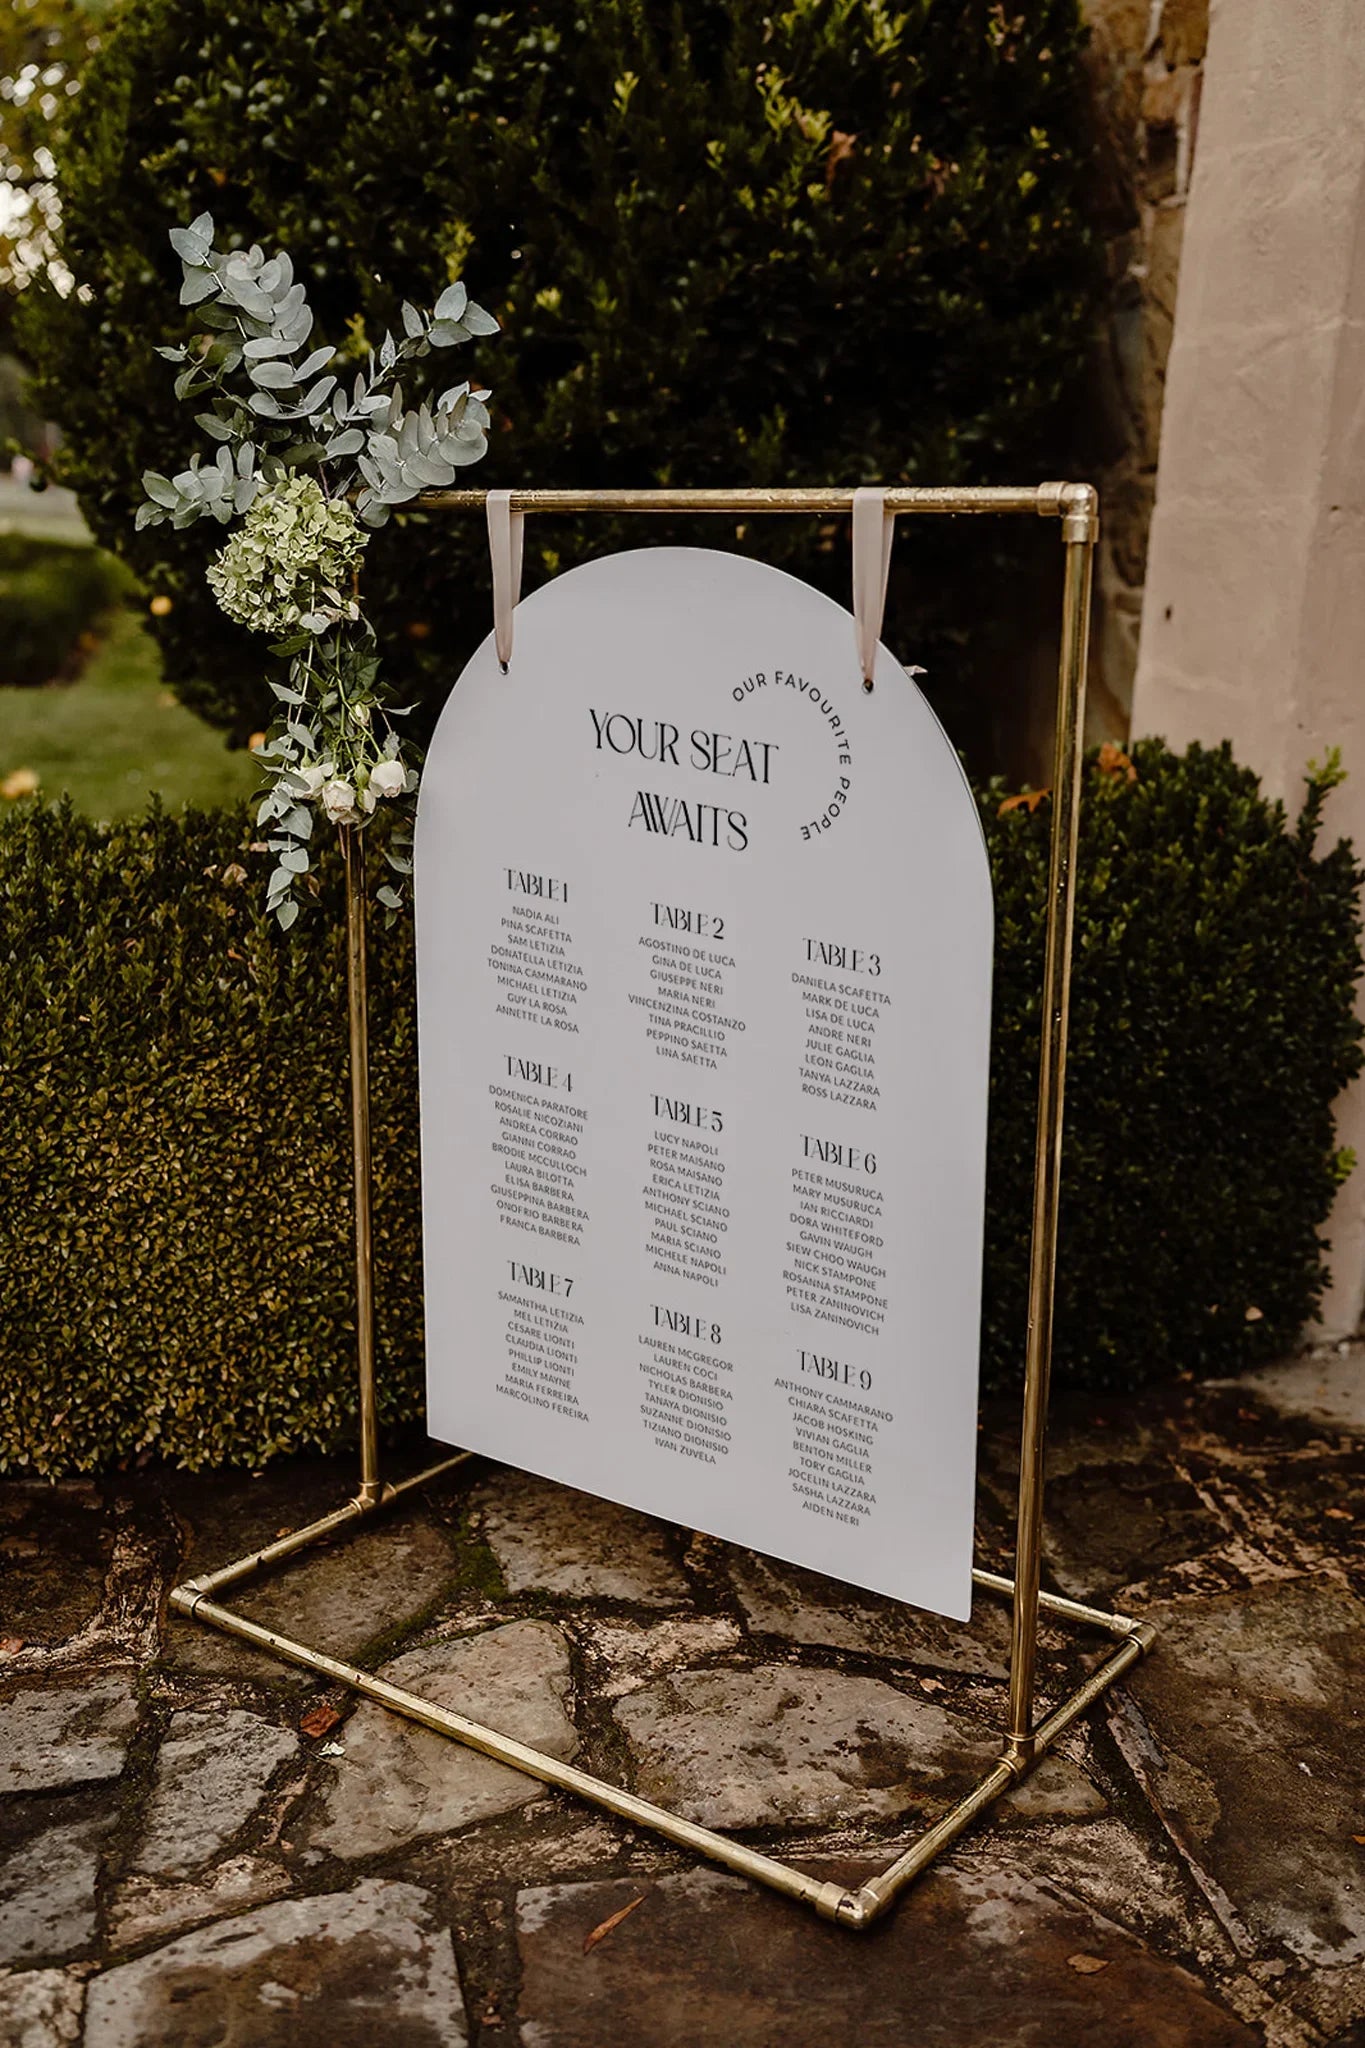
(833, 1902)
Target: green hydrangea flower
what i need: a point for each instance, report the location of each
(292, 544)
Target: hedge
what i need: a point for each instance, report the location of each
(175, 1259)
(53, 595)
(729, 243)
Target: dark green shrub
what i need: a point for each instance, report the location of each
(175, 1256)
(53, 595)
(730, 243)
(1212, 1026)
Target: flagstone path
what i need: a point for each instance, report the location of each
(199, 1846)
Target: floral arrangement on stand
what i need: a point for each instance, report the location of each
(308, 465)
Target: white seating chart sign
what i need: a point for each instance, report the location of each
(704, 936)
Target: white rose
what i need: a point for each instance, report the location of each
(388, 778)
(338, 800)
(313, 776)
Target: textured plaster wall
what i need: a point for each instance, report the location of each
(1253, 623)
(1145, 66)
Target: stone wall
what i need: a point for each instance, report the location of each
(1146, 69)
(1253, 625)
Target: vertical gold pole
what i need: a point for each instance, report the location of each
(357, 993)
(1079, 528)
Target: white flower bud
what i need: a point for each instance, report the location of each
(339, 802)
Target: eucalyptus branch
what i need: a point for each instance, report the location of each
(309, 468)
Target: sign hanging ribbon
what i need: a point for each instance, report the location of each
(506, 533)
(873, 530)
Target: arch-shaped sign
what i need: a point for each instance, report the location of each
(704, 959)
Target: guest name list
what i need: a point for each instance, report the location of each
(704, 942)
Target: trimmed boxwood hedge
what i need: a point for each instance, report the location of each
(175, 1259)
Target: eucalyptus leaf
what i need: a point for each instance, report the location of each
(315, 398)
(430, 470)
(318, 360)
(244, 294)
(300, 454)
(220, 430)
(464, 452)
(189, 246)
(199, 284)
(272, 375)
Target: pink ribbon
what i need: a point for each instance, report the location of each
(506, 530)
(873, 528)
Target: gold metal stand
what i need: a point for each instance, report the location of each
(1027, 1737)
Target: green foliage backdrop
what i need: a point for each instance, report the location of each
(53, 594)
(729, 242)
(175, 1259)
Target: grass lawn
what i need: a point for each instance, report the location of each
(112, 738)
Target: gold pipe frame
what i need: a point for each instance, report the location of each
(358, 1018)
(1027, 1738)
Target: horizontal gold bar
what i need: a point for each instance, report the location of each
(851, 1909)
(356, 1510)
(1047, 501)
(504, 1749)
(184, 1597)
(1065, 1610)
(876, 1895)
(873, 1898)
(854, 1910)
(1101, 1678)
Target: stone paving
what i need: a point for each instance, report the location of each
(200, 1846)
